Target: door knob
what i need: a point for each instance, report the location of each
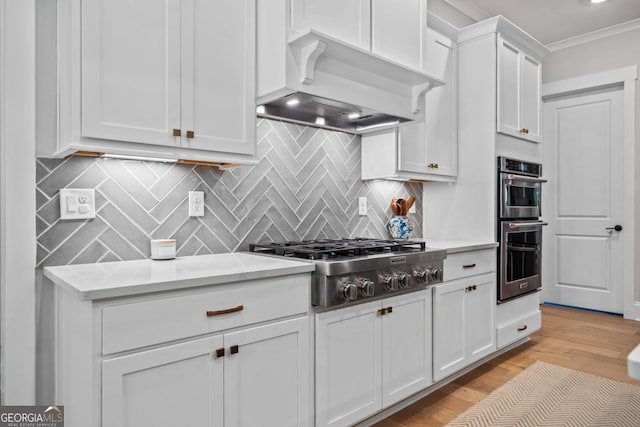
(617, 228)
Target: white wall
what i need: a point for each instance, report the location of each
(17, 205)
(609, 53)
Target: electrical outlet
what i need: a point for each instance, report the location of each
(77, 203)
(363, 206)
(196, 203)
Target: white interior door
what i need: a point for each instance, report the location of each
(583, 160)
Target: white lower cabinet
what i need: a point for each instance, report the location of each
(237, 354)
(169, 386)
(463, 323)
(222, 380)
(370, 356)
(517, 319)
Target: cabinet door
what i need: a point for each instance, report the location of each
(530, 98)
(412, 148)
(131, 70)
(441, 107)
(508, 88)
(347, 20)
(267, 381)
(178, 385)
(480, 308)
(449, 328)
(406, 346)
(348, 364)
(398, 31)
(519, 108)
(218, 75)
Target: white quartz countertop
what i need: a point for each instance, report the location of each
(455, 246)
(116, 279)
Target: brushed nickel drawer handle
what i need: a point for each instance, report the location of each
(469, 265)
(522, 328)
(225, 311)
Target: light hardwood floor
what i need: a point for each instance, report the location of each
(591, 342)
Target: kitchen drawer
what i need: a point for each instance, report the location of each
(525, 326)
(466, 264)
(147, 322)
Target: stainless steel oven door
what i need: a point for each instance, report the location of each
(520, 258)
(520, 196)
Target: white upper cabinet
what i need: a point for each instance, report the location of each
(519, 101)
(398, 31)
(392, 29)
(425, 150)
(218, 69)
(347, 20)
(131, 78)
(441, 106)
(170, 78)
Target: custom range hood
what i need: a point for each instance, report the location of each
(317, 80)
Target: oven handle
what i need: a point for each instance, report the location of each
(522, 249)
(513, 177)
(513, 225)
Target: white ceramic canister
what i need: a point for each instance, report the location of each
(163, 249)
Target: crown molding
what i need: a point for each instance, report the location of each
(469, 9)
(594, 35)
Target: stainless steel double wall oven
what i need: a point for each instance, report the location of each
(519, 227)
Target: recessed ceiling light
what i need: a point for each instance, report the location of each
(598, 1)
(320, 121)
(293, 102)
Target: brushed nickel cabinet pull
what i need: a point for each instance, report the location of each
(220, 352)
(225, 311)
(190, 134)
(177, 132)
(469, 265)
(522, 328)
(233, 349)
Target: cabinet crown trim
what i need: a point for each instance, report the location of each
(499, 24)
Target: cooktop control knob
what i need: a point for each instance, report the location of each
(435, 274)
(349, 291)
(421, 274)
(403, 280)
(366, 286)
(389, 282)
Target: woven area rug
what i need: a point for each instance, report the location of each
(549, 395)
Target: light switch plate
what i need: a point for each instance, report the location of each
(77, 203)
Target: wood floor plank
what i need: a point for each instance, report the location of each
(596, 343)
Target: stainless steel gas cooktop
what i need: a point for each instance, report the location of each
(350, 271)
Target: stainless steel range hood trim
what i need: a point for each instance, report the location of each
(321, 66)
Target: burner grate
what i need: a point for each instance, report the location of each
(326, 249)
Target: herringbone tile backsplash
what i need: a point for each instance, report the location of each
(305, 187)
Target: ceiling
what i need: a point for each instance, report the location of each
(553, 20)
